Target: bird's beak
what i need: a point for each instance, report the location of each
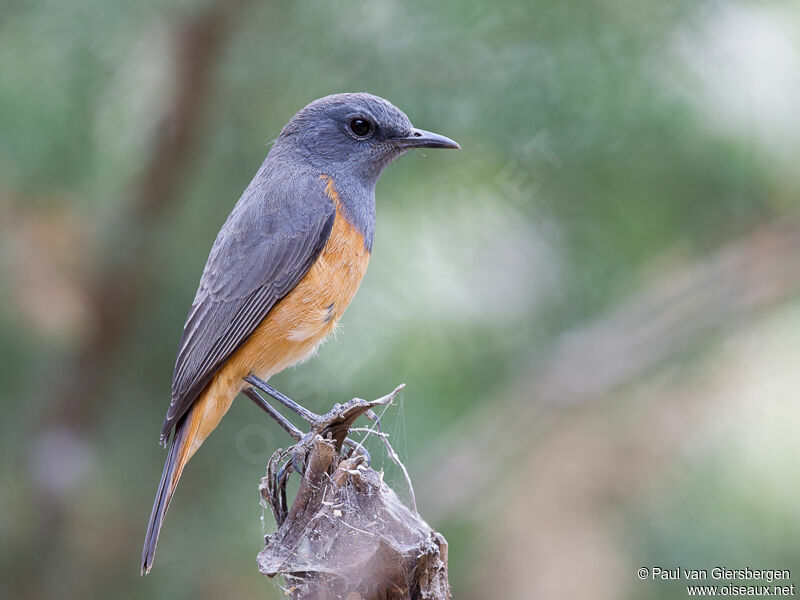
(419, 138)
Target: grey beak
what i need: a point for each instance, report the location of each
(420, 138)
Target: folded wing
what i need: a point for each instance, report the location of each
(270, 240)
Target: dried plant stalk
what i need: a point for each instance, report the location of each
(347, 535)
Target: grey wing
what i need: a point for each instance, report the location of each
(268, 243)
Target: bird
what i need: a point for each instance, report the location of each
(283, 268)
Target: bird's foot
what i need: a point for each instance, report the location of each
(340, 417)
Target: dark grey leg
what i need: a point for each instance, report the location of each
(301, 411)
(270, 410)
(297, 409)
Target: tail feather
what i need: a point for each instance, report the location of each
(176, 459)
(190, 431)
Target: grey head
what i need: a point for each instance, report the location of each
(353, 136)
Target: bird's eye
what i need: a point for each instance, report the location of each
(361, 127)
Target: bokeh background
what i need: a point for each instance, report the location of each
(595, 305)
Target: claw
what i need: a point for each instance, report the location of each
(357, 447)
(280, 484)
(370, 414)
(282, 471)
(298, 466)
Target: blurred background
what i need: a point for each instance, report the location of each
(595, 305)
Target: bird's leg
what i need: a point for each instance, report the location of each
(300, 411)
(370, 414)
(297, 409)
(270, 410)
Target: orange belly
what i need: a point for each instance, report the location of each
(293, 329)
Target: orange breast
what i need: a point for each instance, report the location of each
(294, 327)
(303, 319)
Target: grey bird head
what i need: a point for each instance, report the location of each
(355, 135)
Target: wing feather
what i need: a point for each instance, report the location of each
(270, 240)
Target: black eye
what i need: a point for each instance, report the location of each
(360, 127)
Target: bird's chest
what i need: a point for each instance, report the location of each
(307, 314)
(325, 292)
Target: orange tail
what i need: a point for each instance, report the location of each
(177, 457)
